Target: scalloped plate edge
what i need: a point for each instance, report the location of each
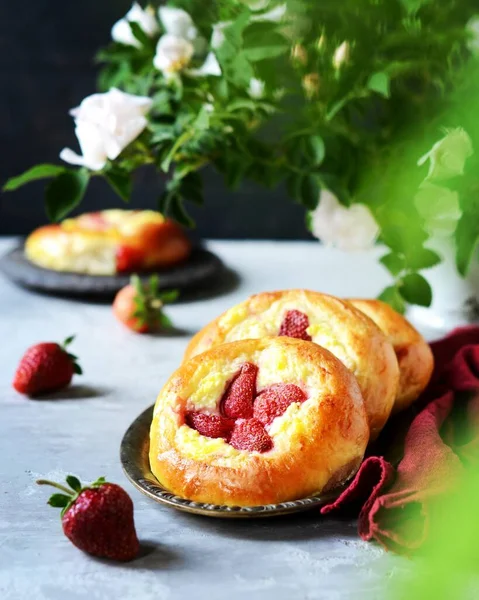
(135, 462)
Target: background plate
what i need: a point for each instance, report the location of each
(134, 458)
(202, 269)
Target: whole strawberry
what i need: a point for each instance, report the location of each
(140, 307)
(97, 518)
(46, 367)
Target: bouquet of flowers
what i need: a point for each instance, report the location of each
(327, 97)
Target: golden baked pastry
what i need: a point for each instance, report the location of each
(258, 422)
(109, 242)
(328, 321)
(413, 353)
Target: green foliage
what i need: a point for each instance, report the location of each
(33, 174)
(65, 192)
(290, 107)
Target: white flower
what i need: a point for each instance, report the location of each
(218, 35)
(173, 54)
(256, 88)
(178, 22)
(105, 124)
(352, 228)
(472, 28)
(121, 30)
(448, 156)
(341, 55)
(275, 14)
(180, 43)
(211, 66)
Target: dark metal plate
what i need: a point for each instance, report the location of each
(202, 269)
(134, 458)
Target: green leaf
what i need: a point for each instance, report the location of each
(77, 369)
(393, 262)
(392, 297)
(74, 483)
(59, 500)
(264, 52)
(178, 212)
(191, 188)
(169, 296)
(416, 290)
(65, 193)
(38, 172)
(165, 321)
(310, 189)
(317, 149)
(294, 185)
(423, 258)
(68, 341)
(380, 83)
(139, 34)
(467, 237)
(154, 285)
(120, 181)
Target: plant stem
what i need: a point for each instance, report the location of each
(55, 485)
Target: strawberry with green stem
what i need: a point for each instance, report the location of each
(46, 367)
(97, 518)
(140, 306)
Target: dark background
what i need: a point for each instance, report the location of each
(46, 68)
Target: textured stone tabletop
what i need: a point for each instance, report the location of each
(79, 431)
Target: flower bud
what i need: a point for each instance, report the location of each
(341, 55)
(311, 84)
(299, 54)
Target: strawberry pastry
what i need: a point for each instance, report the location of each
(109, 242)
(257, 422)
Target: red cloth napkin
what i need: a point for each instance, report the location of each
(395, 504)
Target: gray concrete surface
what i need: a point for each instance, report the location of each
(79, 431)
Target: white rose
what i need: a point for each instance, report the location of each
(173, 54)
(178, 22)
(341, 55)
(211, 66)
(345, 228)
(256, 88)
(448, 156)
(121, 30)
(472, 28)
(105, 124)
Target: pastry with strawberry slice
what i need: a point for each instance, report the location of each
(46, 367)
(140, 306)
(97, 518)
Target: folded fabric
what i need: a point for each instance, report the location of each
(395, 505)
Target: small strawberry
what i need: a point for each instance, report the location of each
(249, 434)
(140, 307)
(46, 367)
(98, 518)
(294, 325)
(273, 401)
(237, 401)
(212, 426)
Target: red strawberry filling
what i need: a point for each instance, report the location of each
(245, 414)
(128, 259)
(213, 426)
(274, 401)
(237, 402)
(295, 324)
(249, 434)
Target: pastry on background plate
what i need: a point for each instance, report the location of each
(258, 422)
(109, 242)
(413, 353)
(328, 321)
